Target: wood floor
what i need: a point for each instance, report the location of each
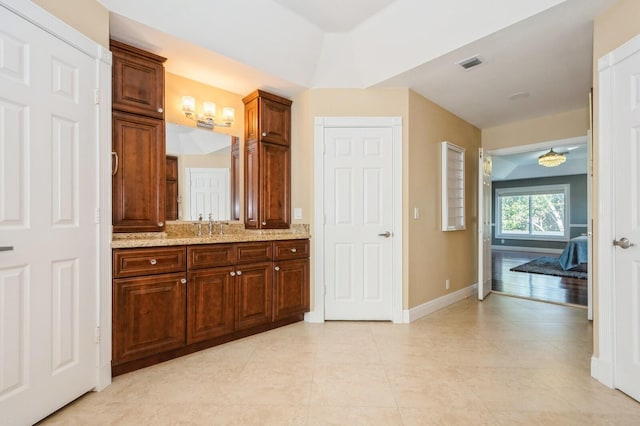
(535, 286)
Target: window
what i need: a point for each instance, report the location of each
(535, 212)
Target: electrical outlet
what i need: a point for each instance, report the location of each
(447, 284)
(297, 213)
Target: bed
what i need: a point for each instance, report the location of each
(575, 253)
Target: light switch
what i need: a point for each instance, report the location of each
(416, 213)
(297, 213)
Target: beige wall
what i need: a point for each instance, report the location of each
(559, 126)
(176, 87)
(87, 16)
(435, 256)
(611, 29)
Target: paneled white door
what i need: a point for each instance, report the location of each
(626, 150)
(208, 193)
(48, 181)
(484, 226)
(358, 230)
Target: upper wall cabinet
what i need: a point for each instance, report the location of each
(267, 118)
(267, 161)
(138, 81)
(138, 184)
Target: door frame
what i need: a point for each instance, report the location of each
(103, 61)
(603, 366)
(395, 123)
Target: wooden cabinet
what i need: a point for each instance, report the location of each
(211, 303)
(138, 81)
(267, 166)
(290, 278)
(171, 183)
(149, 303)
(138, 140)
(254, 294)
(170, 301)
(138, 182)
(235, 178)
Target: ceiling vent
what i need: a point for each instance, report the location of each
(471, 62)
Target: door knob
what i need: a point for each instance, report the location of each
(6, 248)
(622, 243)
(386, 234)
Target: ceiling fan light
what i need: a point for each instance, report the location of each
(551, 159)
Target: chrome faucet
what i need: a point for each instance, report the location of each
(222, 223)
(211, 222)
(199, 225)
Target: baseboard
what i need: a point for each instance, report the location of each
(602, 371)
(441, 302)
(314, 317)
(530, 249)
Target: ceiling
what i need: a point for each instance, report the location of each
(540, 50)
(522, 162)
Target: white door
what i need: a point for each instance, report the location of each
(626, 150)
(484, 225)
(208, 193)
(358, 231)
(48, 235)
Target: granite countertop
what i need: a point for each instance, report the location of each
(185, 234)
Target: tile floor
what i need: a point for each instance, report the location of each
(505, 361)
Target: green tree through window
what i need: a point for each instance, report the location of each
(538, 212)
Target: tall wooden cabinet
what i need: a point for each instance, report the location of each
(138, 183)
(267, 161)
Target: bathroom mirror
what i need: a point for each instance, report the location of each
(200, 177)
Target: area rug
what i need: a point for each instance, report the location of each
(548, 265)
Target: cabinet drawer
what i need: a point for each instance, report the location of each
(145, 261)
(254, 252)
(211, 255)
(290, 249)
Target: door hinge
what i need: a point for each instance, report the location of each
(97, 335)
(97, 215)
(96, 96)
(325, 290)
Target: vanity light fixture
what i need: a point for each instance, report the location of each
(552, 159)
(208, 116)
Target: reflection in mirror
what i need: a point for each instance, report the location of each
(198, 174)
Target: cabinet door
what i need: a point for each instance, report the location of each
(251, 186)
(210, 311)
(275, 122)
(253, 295)
(275, 170)
(290, 288)
(148, 315)
(138, 81)
(171, 200)
(138, 184)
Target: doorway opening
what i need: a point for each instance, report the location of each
(540, 223)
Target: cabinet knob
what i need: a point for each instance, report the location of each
(277, 268)
(183, 280)
(233, 274)
(293, 250)
(264, 134)
(153, 261)
(239, 272)
(161, 224)
(264, 223)
(160, 110)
